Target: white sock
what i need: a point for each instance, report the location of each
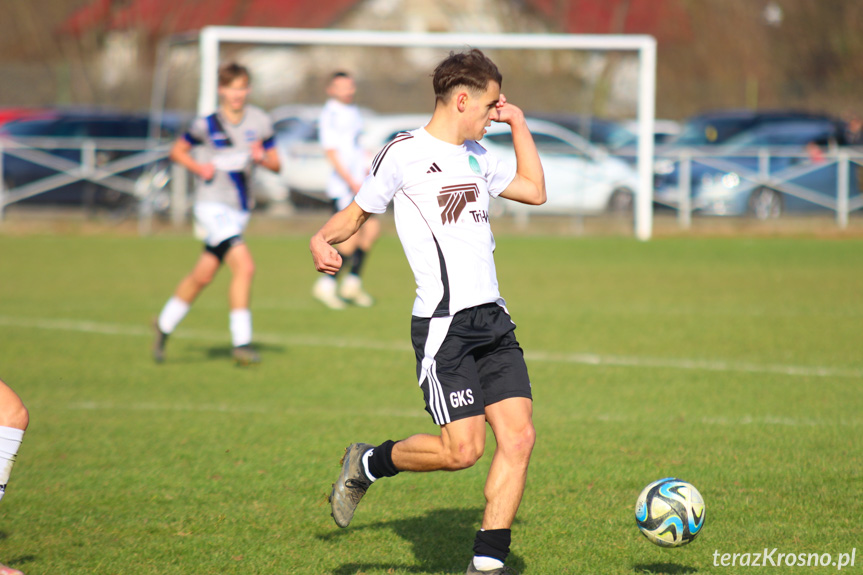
(482, 563)
(241, 327)
(172, 314)
(366, 456)
(10, 440)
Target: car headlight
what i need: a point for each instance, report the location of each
(730, 180)
(663, 167)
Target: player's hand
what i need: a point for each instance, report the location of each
(257, 149)
(327, 259)
(508, 113)
(206, 172)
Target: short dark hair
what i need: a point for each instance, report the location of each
(339, 74)
(471, 69)
(231, 71)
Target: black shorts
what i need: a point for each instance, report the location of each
(468, 361)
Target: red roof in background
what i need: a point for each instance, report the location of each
(664, 19)
(171, 16)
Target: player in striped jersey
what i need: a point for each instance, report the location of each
(470, 366)
(232, 140)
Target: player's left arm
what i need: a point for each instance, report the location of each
(264, 153)
(339, 228)
(528, 186)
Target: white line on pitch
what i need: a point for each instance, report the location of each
(745, 420)
(367, 344)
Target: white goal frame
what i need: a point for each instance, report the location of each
(212, 37)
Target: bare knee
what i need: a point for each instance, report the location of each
(462, 457)
(15, 416)
(518, 444)
(245, 270)
(201, 278)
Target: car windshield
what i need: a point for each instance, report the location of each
(546, 144)
(708, 132)
(790, 134)
(296, 130)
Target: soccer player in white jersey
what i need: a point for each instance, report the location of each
(14, 419)
(469, 364)
(339, 129)
(233, 140)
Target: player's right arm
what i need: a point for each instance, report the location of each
(341, 170)
(339, 228)
(181, 153)
(528, 186)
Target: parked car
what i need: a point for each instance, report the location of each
(598, 131)
(579, 177)
(715, 128)
(663, 132)
(10, 114)
(765, 171)
(61, 135)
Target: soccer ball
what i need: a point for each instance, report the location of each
(670, 512)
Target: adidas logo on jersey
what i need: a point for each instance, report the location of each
(453, 200)
(434, 169)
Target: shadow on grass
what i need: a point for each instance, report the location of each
(225, 351)
(442, 542)
(663, 569)
(14, 562)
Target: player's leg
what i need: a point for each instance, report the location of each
(511, 421)
(14, 419)
(178, 306)
(239, 260)
(361, 243)
(460, 445)
(451, 386)
(509, 411)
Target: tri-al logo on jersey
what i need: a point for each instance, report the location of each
(454, 199)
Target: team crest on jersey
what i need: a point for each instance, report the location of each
(453, 200)
(474, 165)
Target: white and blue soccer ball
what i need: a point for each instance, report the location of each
(670, 512)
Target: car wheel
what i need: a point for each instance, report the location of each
(621, 201)
(765, 204)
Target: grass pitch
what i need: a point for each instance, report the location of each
(735, 364)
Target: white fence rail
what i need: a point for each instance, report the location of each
(773, 169)
(136, 168)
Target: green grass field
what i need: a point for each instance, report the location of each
(736, 364)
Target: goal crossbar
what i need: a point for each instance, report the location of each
(212, 37)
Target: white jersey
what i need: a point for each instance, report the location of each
(441, 195)
(339, 129)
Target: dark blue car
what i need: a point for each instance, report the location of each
(38, 150)
(766, 170)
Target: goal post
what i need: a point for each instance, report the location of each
(212, 37)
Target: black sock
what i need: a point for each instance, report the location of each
(492, 543)
(357, 261)
(381, 460)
